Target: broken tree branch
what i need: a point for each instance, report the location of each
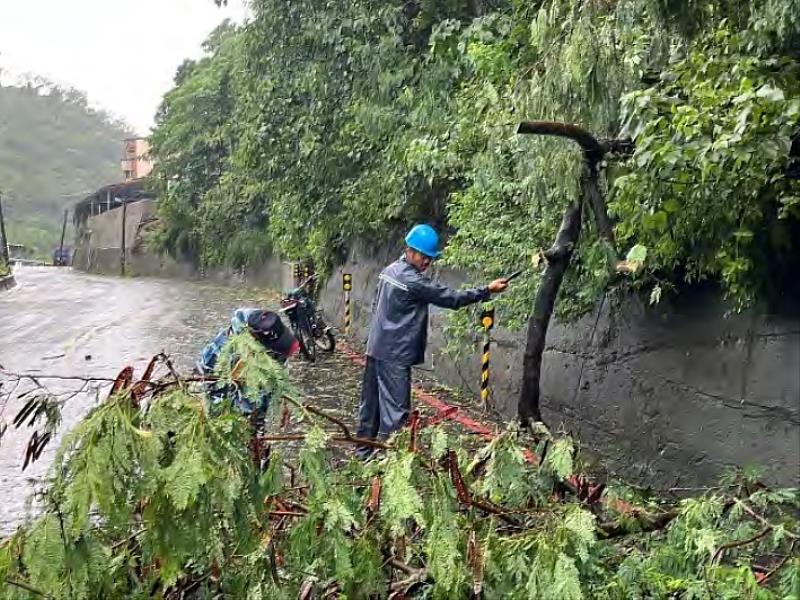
(731, 545)
(576, 133)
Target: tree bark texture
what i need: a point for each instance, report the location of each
(558, 257)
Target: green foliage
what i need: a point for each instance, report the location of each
(158, 498)
(712, 139)
(322, 123)
(54, 149)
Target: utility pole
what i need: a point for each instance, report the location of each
(61, 261)
(122, 244)
(3, 238)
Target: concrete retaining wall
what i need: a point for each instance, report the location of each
(674, 394)
(100, 252)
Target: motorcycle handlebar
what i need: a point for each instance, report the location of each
(307, 281)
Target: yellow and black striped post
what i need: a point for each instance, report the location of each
(487, 320)
(307, 271)
(347, 286)
(296, 274)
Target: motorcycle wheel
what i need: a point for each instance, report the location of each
(324, 339)
(305, 336)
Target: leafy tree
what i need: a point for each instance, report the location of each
(54, 149)
(349, 122)
(326, 124)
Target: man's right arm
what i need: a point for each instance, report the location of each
(430, 292)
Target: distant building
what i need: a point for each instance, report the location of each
(19, 252)
(136, 161)
(136, 165)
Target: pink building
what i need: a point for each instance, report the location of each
(136, 161)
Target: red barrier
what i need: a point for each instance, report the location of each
(453, 413)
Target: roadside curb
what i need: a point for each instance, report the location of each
(7, 282)
(445, 411)
(578, 483)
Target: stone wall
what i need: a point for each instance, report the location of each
(674, 394)
(100, 251)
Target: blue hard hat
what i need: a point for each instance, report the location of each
(424, 239)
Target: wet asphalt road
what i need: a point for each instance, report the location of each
(61, 322)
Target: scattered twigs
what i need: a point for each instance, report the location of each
(415, 576)
(346, 436)
(649, 523)
(24, 586)
(715, 560)
(762, 520)
(128, 539)
(401, 566)
(35, 377)
(469, 500)
(299, 437)
(122, 382)
(779, 566)
(168, 362)
(374, 501)
(335, 420)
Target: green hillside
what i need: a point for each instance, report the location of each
(52, 146)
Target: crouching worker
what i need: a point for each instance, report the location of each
(275, 339)
(398, 332)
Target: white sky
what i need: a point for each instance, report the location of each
(122, 53)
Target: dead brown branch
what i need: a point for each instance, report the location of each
(779, 566)
(737, 544)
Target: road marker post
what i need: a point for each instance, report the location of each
(307, 272)
(347, 286)
(487, 320)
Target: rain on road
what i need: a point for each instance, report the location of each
(61, 322)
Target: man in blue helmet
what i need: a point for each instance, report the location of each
(398, 332)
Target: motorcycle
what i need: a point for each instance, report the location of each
(307, 323)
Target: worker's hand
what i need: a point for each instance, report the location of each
(497, 286)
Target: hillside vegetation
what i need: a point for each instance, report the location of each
(53, 149)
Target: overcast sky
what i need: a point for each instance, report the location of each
(122, 53)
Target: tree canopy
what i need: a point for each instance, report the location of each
(54, 149)
(318, 123)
